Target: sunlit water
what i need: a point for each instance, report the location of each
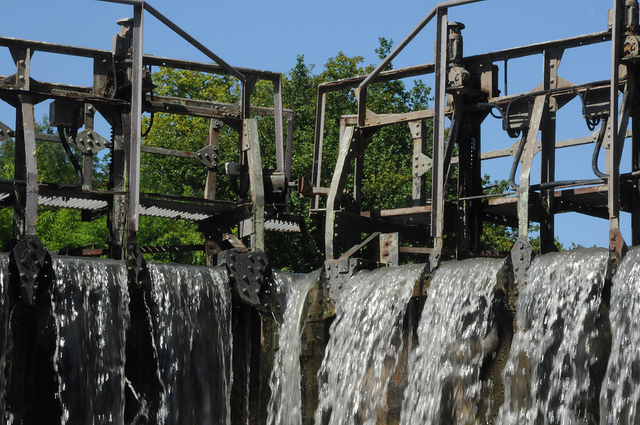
(364, 345)
(453, 334)
(90, 308)
(620, 395)
(190, 312)
(560, 339)
(285, 403)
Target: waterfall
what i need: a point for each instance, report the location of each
(364, 345)
(551, 375)
(190, 313)
(620, 395)
(455, 333)
(90, 309)
(285, 403)
(4, 332)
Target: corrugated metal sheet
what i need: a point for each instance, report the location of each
(72, 203)
(282, 226)
(172, 213)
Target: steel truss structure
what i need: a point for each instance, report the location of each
(121, 92)
(466, 92)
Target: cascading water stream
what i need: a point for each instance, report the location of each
(285, 403)
(552, 374)
(90, 307)
(190, 312)
(620, 394)
(364, 345)
(455, 333)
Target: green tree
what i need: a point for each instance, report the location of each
(58, 229)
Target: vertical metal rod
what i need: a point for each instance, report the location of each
(616, 242)
(31, 165)
(551, 61)
(506, 77)
(250, 135)
(87, 156)
(437, 199)
(289, 148)
(361, 94)
(279, 128)
(419, 134)
(136, 120)
(212, 174)
(527, 161)
(316, 172)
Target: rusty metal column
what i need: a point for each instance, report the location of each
(251, 143)
(136, 123)
(616, 242)
(551, 61)
(279, 123)
(469, 221)
(87, 154)
(318, 142)
(345, 155)
(26, 209)
(26, 171)
(212, 173)
(438, 173)
(421, 163)
(530, 149)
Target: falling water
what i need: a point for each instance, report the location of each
(455, 333)
(285, 403)
(364, 345)
(550, 377)
(90, 308)
(190, 315)
(4, 331)
(620, 395)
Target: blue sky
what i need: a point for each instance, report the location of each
(270, 34)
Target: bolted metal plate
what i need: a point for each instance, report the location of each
(248, 272)
(88, 141)
(209, 156)
(32, 263)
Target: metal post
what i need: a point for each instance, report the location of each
(250, 136)
(437, 199)
(26, 170)
(136, 121)
(316, 172)
(279, 128)
(616, 242)
(469, 224)
(212, 173)
(26, 210)
(419, 134)
(345, 154)
(527, 161)
(551, 59)
(87, 155)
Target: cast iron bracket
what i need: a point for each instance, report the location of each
(30, 270)
(248, 272)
